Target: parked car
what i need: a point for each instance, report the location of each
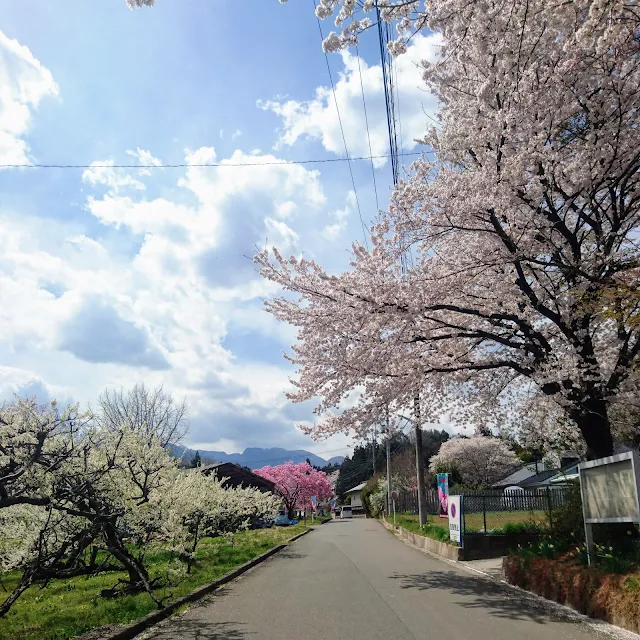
(282, 519)
(346, 511)
(261, 523)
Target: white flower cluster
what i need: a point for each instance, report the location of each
(69, 487)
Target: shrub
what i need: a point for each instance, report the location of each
(522, 528)
(373, 497)
(435, 532)
(567, 522)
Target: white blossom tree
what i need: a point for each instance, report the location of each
(480, 460)
(81, 498)
(523, 228)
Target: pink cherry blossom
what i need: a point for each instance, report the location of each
(297, 483)
(528, 211)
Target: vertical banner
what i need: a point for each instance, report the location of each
(314, 503)
(443, 494)
(455, 519)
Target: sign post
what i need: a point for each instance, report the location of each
(394, 497)
(610, 489)
(455, 519)
(314, 504)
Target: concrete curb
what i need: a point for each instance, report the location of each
(423, 543)
(134, 628)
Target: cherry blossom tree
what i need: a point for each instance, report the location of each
(523, 228)
(296, 483)
(480, 460)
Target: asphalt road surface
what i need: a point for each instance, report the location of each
(353, 579)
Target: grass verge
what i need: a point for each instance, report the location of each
(435, 527)
(498, 522)
(66, 608)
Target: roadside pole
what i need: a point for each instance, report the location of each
(422, 511)
(394, 497)
(389, 488)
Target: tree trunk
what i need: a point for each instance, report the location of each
(138, 574)
(593, 422)
(422, 503)
(22, 586)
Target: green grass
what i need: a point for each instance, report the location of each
(436, 527)
(66, 608)
(496, 520)
(499, 519)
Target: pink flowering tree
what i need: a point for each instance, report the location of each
(523, 227)
(296, 483)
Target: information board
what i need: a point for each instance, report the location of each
(610, 489)
(455, 519)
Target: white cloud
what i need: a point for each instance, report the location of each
(161, 314)
(24, 83)
(236, 134)
(340, 216)
(317, 118)
(103, 172)
(145, 158)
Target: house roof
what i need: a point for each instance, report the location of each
(237, 476)
(359, 487)
(518, 476)
(540, 477)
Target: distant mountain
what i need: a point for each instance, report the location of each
(255, 457)
(336, 460)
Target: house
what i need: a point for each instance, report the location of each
(356, 497)
(238, 476)
(528, 477)
(520, 475)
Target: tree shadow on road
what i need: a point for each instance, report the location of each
(494, 598)
(186, 629)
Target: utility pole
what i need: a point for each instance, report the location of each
(373, 450)
(422, 502)
(389, 487)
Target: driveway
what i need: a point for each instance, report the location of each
(353, 579)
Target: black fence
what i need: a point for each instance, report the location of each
(494, 510)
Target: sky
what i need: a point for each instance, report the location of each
(112, 276)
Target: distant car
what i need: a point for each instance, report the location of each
(346, 512)
(282, 519)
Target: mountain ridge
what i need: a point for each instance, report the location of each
(256, 457)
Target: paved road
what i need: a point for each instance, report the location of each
(353, 579)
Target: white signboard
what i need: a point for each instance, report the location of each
(610, 490)
(455, 519)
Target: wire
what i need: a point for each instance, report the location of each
(344, 140)
(395, 71)
(366, 120)
(187, 165)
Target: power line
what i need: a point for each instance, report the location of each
(185, 165)
(344, 140)
(366, 120)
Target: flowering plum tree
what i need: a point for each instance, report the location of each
(480, 460)
(523, 228)
(78, 498)
(296, 483)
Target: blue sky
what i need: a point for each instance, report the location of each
(112, 276)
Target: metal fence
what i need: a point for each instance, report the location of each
(494, 510)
